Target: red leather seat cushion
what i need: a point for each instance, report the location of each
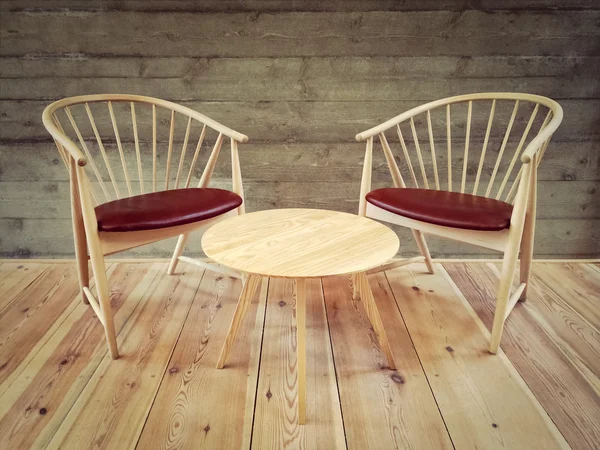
(165, 209)
(450, 209)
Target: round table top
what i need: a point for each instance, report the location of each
(300, 243)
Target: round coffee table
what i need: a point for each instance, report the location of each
(300, 244)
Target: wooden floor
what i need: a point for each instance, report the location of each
(60, 390)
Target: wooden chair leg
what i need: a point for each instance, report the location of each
(99, 270)
(509, 265)
(248, 291)
(177, 253)
(424, 250)
(368, 300)
(301, 347)
(526, 257)
(81, 256)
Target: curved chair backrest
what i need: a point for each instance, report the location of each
(135, 144)
(494, 130)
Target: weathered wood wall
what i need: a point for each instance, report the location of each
(301, 79)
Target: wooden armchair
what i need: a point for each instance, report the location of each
(116, 211)
(494, 216)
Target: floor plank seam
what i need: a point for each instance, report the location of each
(168, 360)
(22, 290)
(92, 373)
(72, 306)
(419, 358)
(337, 384)
(260, 348)
(521, 375)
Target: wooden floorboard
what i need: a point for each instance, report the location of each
(382, 408)
(483, 400)
(25, 321)
(60, 388)
(14, 278)
(187, 415)
(37, 403)
(568, 398)
(112, 409)
(276, 419)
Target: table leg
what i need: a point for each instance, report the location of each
(250, 287)
(362, 284)
(301, 347)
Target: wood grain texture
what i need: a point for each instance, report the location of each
(294, 121)
(14, 278)
(301, 33)
(381, 408)
(580, 288)
(25, 320)
(276, 416)
(286, 5)
(566, 395)
(452, 343)
(185, 414)
(126, 388)
(299, 243)
(165, 393)
(39, 400)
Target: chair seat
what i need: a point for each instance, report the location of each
(450, 209)
(165, 209)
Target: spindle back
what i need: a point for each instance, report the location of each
(468, 143)
(134, 144)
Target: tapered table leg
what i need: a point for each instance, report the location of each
(250, 287)
(366, 295)
(301, 347)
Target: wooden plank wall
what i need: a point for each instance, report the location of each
(301, 78)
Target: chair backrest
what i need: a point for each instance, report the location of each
(469, 143)
(134, 145)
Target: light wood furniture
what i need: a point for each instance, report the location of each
(301, 244)
(523, 114)
(114, 173)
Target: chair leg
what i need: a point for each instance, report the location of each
(366, 296)
(526, 254)
(177, 253)
(248, 291)
(99, 270)
(509, 265)
(81, 256)
(424, 250)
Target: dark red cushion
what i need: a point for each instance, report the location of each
(450, 209)
(165, 209)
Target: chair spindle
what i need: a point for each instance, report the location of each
(466, 155)
(485, 144)
(119, 146)
(407, 156)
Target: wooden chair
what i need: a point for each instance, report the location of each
(117, 212)
(488, 214)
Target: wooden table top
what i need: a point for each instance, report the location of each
(300, 243)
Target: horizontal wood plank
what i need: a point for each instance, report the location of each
(271, 83)
(303, 33)
(294, 121)
(254, 71)
(160, 6)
